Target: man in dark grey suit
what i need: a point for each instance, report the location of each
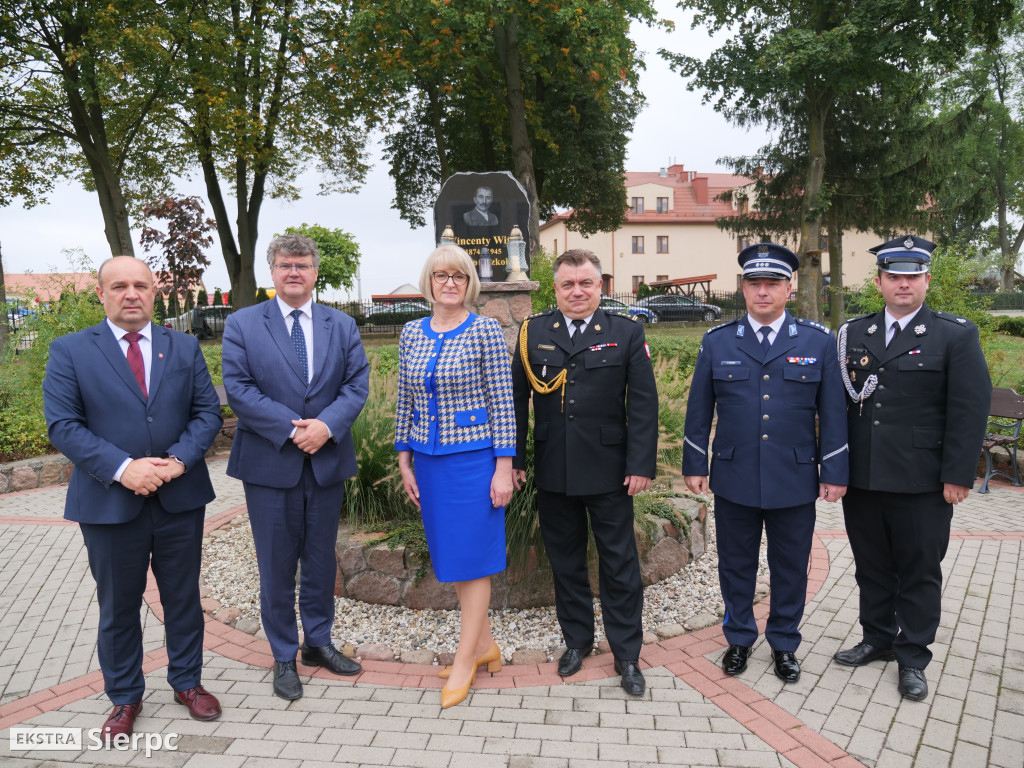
(481, 215)
(919, 398)
(296, 377)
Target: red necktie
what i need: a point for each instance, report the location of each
(135, 360)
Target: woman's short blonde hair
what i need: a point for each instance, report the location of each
(449, 257)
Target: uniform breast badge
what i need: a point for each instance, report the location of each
(871, 329)
(919, 330)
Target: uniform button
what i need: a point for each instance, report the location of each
(876, 423)
(765, 397)
(765, 417)
(572, 365)
(730, 375)
(149, 419)
(764, 437)
(572, 402)
(573, 382)
(571, 417)
(920, 365)
(878, 405)
(881, 370)
(881, 387)
(803, 378)
(766, 377)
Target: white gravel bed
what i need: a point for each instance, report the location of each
(230, 575)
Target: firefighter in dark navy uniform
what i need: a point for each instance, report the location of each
(919, 396)
(780, 445)
(595, 407)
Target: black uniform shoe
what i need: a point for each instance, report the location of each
(787, 668)
(328, 656)
(286, 680)
(632, 681)
(912, 685)
(572, 660)
(862, 654)
(735, 659)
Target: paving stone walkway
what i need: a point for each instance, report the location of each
(526, 716)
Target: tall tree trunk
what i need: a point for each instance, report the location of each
(439, 142)
(837, 314)
(4, 327)
(808, 301)
(506, 38)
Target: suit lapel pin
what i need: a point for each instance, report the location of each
(556, 325)
(871, 329)
(919, 330)
(597, 327)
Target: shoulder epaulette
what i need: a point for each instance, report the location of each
(619, 313)
(813, 324)
(860, 317)
(961, 321)
(726, 324)
(540, 314)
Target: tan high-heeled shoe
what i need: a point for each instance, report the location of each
(450, 697)
(492, 658)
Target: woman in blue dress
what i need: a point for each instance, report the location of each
(456, 437)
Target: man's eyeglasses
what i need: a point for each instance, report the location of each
(290, 267)
(443, 277)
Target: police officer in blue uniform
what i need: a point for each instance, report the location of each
(919, 395)
(780, 445)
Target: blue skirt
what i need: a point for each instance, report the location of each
(465, 534)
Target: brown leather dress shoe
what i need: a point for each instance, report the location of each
(121, 720)
(202, 705)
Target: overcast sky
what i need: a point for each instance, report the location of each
(673, 128)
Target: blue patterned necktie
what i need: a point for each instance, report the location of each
(765, 344)
(299, 342)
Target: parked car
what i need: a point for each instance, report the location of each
(675, 307)
(645, 315)
(205, 322)
(398, 312)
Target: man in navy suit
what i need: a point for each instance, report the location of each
(296, 377)
(775, 382)
(131, 404)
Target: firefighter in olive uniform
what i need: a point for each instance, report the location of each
(919, 396)
(780, 445)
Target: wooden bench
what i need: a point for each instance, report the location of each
(1005, 418)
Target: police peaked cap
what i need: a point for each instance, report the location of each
(768, 260)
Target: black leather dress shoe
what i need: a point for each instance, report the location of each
(787, 668)
(329, 656)
(862, 654)
(912, 685)
(632, 681)
(735, 659)
(286, 680)
(572, 660)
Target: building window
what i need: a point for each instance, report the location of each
(662, 243)
(662, 205)
(556, 248)
(741, 243)
(638, 205)
(660, 278)
(638, 280)
(638, 244)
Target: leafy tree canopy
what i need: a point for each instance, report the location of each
(339, 255)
